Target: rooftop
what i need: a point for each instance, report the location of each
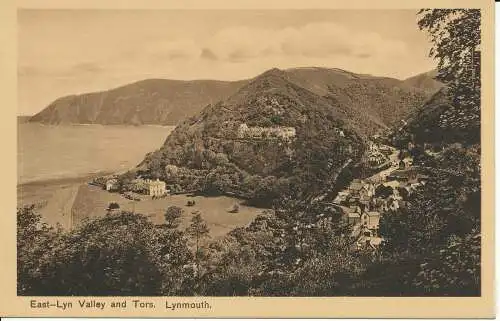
(356, 186)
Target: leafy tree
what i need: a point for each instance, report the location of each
(403, 192)
(113, 206)
(198, 230)
(383, 191)
(34, 238)
(118, 254)
(124, 181)
(455, 270)
(173, 215)
(275, 119)
(426, 240)
(456, 35)
(284, 254)
(329, 274)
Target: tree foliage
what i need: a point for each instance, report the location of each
(119, 254)
(433, 245)
(456, 37)
(33, 239)
(173, 215)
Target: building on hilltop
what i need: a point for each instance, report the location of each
(256, 132)
(385, 149)
(403, 174)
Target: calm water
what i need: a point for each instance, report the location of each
(48, 152)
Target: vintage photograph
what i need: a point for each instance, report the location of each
(251, 153)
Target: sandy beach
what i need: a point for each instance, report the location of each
(53, 198)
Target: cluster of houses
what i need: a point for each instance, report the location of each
(364, 201)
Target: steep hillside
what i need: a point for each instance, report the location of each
(425, 81)
(372, 103)
(368, 102)
(270, 138)
(440, 121)
(152, 101)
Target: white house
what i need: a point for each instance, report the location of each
(157, 188)
(111, 184)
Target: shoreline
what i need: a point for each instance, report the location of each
(66, 179)
(95, 124)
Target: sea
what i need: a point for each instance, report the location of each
(48, 152)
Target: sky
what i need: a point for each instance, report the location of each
(64, 52)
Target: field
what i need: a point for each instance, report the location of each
(68, 202)
(91, 201)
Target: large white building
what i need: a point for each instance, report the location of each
(157, 188)
(244, 131)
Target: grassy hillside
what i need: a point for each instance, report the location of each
(368, 102)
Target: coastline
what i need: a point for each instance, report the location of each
(64, 180)
(54, 197)
(21, 122)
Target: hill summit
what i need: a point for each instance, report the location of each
(270, 138)
(372, 103)
(150, 101)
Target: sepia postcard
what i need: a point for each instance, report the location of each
(254, 159)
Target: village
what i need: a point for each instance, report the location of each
(365, 201)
